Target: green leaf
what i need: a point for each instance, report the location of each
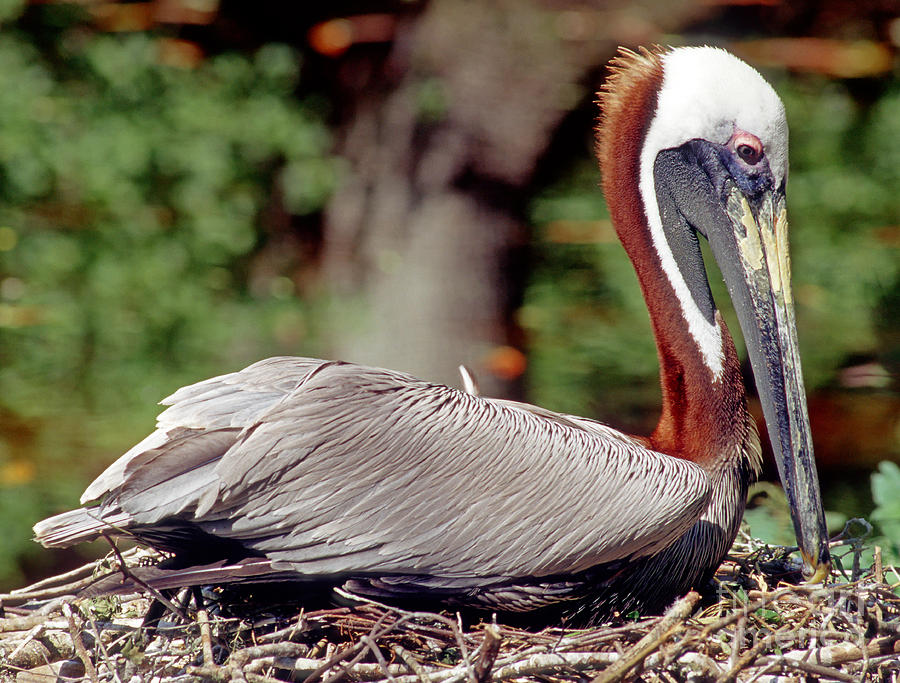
(770, 616)
(886, 494)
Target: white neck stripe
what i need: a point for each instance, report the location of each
(707, 335)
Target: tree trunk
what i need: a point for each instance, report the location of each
(424, 239)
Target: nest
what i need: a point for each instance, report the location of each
(755, 625)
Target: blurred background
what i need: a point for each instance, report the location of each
(187, 186)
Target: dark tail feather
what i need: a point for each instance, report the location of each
(162, 578)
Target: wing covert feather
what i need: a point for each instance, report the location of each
(234, 400)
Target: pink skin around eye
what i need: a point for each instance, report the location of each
(742, 138)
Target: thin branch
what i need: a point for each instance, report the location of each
(659, 634)
(80, 649)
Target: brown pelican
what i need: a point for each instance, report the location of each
(393, 488)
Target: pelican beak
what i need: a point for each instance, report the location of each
(754, 259)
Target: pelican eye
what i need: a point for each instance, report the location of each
(749, 153)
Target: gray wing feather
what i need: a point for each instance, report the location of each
(235, 400)
(330, 468)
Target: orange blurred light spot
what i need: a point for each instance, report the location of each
(141, 16)
(331, 38)
(835, 58)
(334, 37)
(889, 235)
(178, 53)
(506, 362)
(115, 17)
(581, 232)
(20, 316)
(16, 472)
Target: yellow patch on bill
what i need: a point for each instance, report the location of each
(751, 249)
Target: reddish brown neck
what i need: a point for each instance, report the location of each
(701, 415)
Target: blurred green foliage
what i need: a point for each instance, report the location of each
(886, 494)
(589, 334)
(132, 200)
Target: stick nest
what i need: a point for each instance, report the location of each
(754, 625)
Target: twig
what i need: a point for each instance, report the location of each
(22, 623)
(659, 634)
(245, 656)
(80, 649)
(808, 667)
(30, 636)
(376, 652)
(490, 647)
(84, 570)
(746, 659)
(300, 626)
(842, 653)
(127, 573)
(205, 637)
(411, 662)
(549, 663)
(736, 643)
(344, 654)
(70, 589)
(877, 566)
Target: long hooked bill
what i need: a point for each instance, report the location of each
(755, 263)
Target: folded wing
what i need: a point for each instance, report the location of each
(333, 469)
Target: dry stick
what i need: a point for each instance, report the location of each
(359, 653)
(458, 631)
(411, 662)
(672, 621)
(31, 635)
(126, 572)
(404, 616)
(543, 664)
(550, 663)
(490, 648)
(10, 599)
(352, 651)
(736, 642)
(706, 664)
(746, 659)
(258, 678)
(104, 649)
(823, 657)
(23, 623)
(537, 660)
(842, 653)
(84, 570)
(376, 651)
(205, 637)
(246, 656)
(80, 649)
(727, 620)
(48, 588)
(221, 674)
(515, 666)
(203, 623)
(763, 671)
(810, 668)
(373, 635)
